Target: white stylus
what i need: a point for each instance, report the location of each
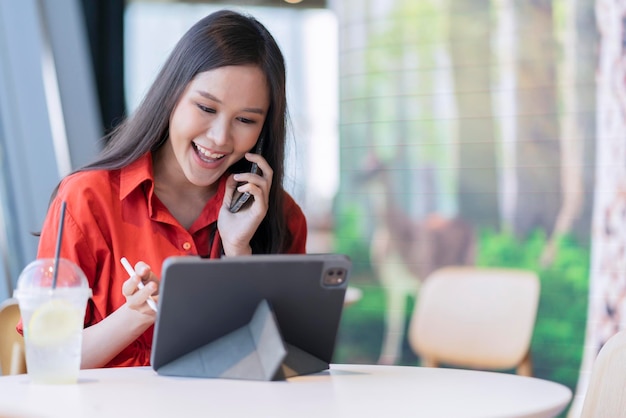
(130, 270)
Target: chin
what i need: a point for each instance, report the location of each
(205, 181)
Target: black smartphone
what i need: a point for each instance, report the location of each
(240, 199)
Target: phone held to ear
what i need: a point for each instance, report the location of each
(240, 199)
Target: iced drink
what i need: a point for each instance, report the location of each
(52, 319)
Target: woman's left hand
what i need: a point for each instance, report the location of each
(237, 229)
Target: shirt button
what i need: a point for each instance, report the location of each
(186, 246)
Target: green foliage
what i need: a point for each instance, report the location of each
(362, 327)
(349, 240)
(559, 335)
(361, 331)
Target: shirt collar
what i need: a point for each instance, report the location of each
(135, 174)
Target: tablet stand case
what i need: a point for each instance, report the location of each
(255, 351)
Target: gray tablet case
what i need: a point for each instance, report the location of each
(261, 317)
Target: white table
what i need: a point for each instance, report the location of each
(343, 391)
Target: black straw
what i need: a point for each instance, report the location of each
(57, 253)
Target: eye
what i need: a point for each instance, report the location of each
(246, 120)
(206, 109)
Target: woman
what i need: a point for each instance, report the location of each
(164, 183)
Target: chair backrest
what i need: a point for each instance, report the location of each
(12, 355)
(606, 392)
(475, 317)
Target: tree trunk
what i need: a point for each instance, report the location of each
(607, 284)
(470, 47)
(577, 123)
(587, 58)
(538, 150)
(504, 98)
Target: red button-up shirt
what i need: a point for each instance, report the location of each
(114, 214)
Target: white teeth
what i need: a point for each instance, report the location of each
(208, 154)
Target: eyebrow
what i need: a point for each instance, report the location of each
(209, 96)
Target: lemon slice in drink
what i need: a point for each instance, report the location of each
(54, 322)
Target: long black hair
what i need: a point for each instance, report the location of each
(222, 38)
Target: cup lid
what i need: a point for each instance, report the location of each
(40, 274)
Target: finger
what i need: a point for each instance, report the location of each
(150, 300)
(146, 291)
(246, 179)
(259, 196)
(130, 286)
(231, 184)
(145, 273)
(266, 169)
(250, 188)
(139, 299)
(142, 269)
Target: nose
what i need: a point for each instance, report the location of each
(219, 132)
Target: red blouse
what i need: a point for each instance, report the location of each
(114, 214)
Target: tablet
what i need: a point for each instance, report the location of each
(209, 302)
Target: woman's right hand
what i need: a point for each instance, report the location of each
(136, 298)
(107, 338)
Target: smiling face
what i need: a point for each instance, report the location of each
(217, 119)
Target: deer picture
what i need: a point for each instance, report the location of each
(404, 251)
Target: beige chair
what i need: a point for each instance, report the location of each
(12, 356)
(479, 318)
(606, 393)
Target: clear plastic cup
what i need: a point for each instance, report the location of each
(52, 319)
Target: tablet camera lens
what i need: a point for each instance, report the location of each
(334, 277)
